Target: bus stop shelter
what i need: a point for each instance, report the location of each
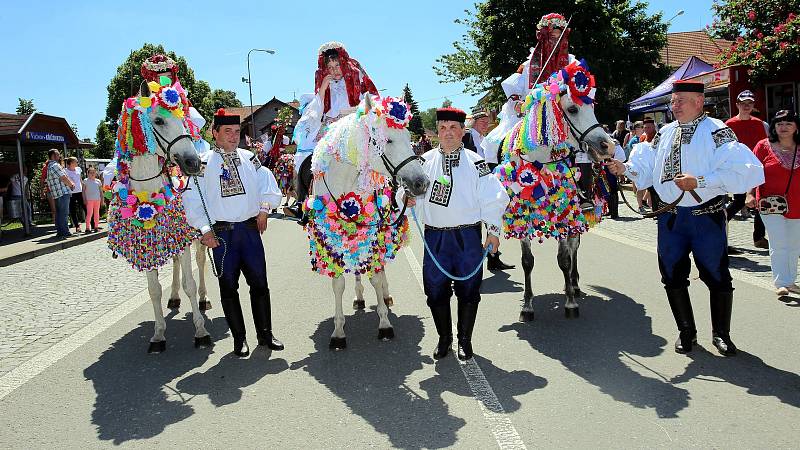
(38, 132)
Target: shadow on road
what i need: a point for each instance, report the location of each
(601, 346)
(500, 282)
(744, 370)
(133, 400)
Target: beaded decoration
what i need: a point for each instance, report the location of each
(148, 228)
(544, 196)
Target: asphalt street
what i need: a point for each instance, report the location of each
(609, 379)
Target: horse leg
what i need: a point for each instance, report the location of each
(174, 301)
(201, 336)
(387, 297)
(200, 258)
(574, 276)
(359, 302)
(385, 330)
(566, 259)
(158, 342)
(526, 315)
(338, 339)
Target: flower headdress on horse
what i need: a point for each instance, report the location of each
(355, 77)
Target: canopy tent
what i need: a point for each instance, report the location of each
(659, 96)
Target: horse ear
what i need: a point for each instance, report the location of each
(368, 103)
(144, 89)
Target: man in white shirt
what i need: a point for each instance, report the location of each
(463, 197)
(700, 156)
(230, 209)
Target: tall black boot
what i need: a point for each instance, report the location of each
(467, 312)
(233, 315)
(262, 316)
(681, 306)
(721, 309)
(444, 327)
(493, 262)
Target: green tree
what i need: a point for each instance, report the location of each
(104, 140)
(415, 126)
(128, 78)
(766, 34)
(429, 119)
(619, 40)
(218, 98)
(25, 106)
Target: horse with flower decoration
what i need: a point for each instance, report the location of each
(537, 173)
(147, 222)
(353, 225)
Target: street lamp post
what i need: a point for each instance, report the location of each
(250, 86)
(669, 22)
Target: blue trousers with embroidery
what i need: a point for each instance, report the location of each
(243, 254)
(459, 251)
(703, 236)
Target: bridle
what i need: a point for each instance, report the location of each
(160, 142)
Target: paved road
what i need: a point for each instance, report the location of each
(81, 378)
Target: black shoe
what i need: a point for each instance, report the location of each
(734, 251)
(467, 312)
(240, 348)
(272, 343)
(681, 306)
(444, 327)
(721, 309)
(292, 211)
(493, 263)
(303, 219)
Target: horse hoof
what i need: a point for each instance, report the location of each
(157, 347)
(205, 305)
(204, 341)
(338, 343)
(174, 303)
(385, 334)
(572, 313)
(526, 316)
(389, 301)
(359, 304)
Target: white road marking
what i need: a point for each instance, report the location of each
(736, 274)
(495, 415)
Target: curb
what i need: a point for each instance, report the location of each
(50, 248)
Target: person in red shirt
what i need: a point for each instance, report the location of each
(749, 131)
(779, 155)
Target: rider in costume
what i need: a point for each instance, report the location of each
(463, 196)
(701, 156)
(237, 195)
(339, 85)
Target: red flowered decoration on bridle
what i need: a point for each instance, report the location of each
(397, 113)
(580, 82)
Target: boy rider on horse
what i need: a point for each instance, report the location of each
(230, 209)
(463, 197)
(339, 85)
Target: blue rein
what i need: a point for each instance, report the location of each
(436, 262)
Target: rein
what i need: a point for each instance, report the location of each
(666, 208)
(159, 139)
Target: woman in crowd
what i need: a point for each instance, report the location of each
(92, 195)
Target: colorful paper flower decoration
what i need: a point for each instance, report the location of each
(398, 114)
(580, 82)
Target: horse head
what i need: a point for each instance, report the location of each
(559, 114)
(391, 152)
(157, 122)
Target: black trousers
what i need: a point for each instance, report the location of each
(759, 231)
(303, 180)
(77, 213)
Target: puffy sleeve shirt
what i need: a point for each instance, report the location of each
(776, 176)
(235, 188)
(705, 148)
(463, 191)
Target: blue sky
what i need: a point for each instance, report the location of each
(63, 54)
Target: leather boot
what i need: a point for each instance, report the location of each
(233, 315)
(681, 306)
(444, 327)
(467, 312)
(721, 309)
(493, 262)
(262, 316)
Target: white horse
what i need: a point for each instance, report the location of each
(559, 120)
(352, 228)
(147, 223)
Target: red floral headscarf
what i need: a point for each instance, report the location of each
(356, 79)
(544, 48)
(156, 64)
